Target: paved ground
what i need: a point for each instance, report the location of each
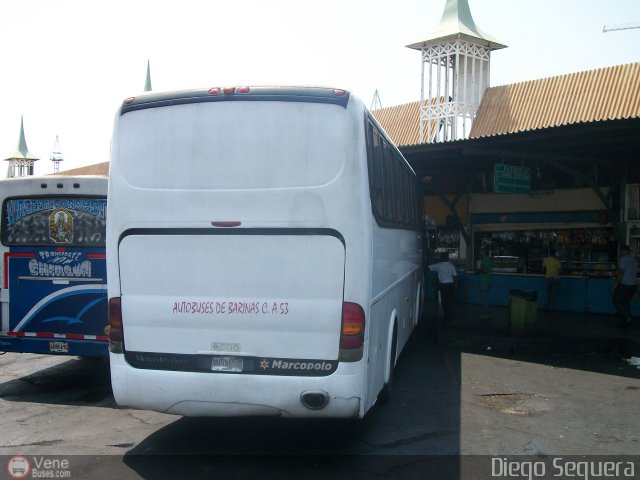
(544, 332)
(446, 402)
(559, 386)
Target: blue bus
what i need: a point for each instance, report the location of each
(53, 270)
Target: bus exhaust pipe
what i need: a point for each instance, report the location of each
(314, 399)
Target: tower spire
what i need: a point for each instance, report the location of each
(457, 23)
(21, 162)
(56, 155)
(455, 73)
(147, 82)
(376, 103)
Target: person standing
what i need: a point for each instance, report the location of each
(625, 286)
(447, 283)
(484, 282)
(552, 267)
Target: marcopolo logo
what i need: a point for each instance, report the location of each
(18, 467)
(301, 365)
(295, 366)
(285, 365)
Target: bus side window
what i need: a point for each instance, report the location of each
(393, 188)
(377, 178)
(389, 183)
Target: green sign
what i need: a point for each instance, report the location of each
(511, 179)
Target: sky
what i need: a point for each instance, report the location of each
(66, 65)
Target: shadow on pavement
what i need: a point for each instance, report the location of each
(76, 381)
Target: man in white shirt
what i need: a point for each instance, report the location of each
(447, 283)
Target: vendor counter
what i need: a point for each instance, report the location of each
(577, 293)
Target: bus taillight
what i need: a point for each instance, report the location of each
(352, 334)
(116, 332)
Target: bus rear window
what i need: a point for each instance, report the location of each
(54, 221)
(233, 145)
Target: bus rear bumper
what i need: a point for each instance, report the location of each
(197, 394)
(54, 346)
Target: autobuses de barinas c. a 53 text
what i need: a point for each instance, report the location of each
(263, 251)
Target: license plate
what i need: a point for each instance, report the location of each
(59, 347)
(227, 364)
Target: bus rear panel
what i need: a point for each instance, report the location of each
(239, 253)
(54, 266)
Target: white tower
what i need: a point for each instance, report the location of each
(21, 162)
(56, 155)
(455, 73)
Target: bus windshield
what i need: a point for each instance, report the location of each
(54, 221)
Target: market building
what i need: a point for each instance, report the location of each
(548, 164)
(523, 169)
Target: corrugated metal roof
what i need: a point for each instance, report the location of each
(604, 94)
(101, 169)
(402, 122)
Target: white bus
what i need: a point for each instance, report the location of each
(54, 279)
(263, 250)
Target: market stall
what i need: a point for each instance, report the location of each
(588, 265)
